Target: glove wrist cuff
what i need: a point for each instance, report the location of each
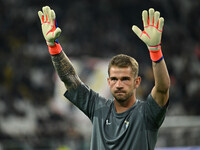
(50, 43)
(156, 55)
(154, 48)
(55, 49)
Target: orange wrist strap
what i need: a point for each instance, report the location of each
(156, 56)
(55, 49)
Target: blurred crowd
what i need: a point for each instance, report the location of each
(94, 29)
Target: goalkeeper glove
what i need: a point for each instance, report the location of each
(151, 36)
(50, 30)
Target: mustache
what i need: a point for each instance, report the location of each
(119, 91)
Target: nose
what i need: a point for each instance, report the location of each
(119, 84)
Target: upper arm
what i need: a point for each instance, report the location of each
(87, 100)
(161, 97)
(154, 113)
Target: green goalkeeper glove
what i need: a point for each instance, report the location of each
(50, 30)
(151, 36)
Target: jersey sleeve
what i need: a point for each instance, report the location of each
(155, 114)
(85, 99)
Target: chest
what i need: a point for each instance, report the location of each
(110, 125)
(117, 126)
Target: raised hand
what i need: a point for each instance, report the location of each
(49, 25)
(153, 27)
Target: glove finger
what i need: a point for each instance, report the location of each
(151, 14)
(137, 31)
(53, 16)
(40, 14)
(48, 11)
(145, 18)
(161, 24)
(44, 13)
(156, 17)
(57, 33)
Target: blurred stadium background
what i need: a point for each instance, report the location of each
(33, 112)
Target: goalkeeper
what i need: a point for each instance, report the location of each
(124, 123)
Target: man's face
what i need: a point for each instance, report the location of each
(122, 83)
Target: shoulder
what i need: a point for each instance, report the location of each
(85, 94)
(150, 104)
(81, 90)
(103, 102)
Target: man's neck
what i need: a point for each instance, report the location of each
(121, 107)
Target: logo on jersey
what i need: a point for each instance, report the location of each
(107, 122)
(126, 123)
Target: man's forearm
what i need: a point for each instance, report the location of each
(162, 80)
(160, 91)
(65, 70)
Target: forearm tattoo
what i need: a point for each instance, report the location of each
(65, 70)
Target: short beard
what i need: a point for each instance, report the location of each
(123, 99)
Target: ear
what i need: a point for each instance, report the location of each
(108, 80)
(137, 81)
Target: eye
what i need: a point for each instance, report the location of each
(125, 78)
(113, 78)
